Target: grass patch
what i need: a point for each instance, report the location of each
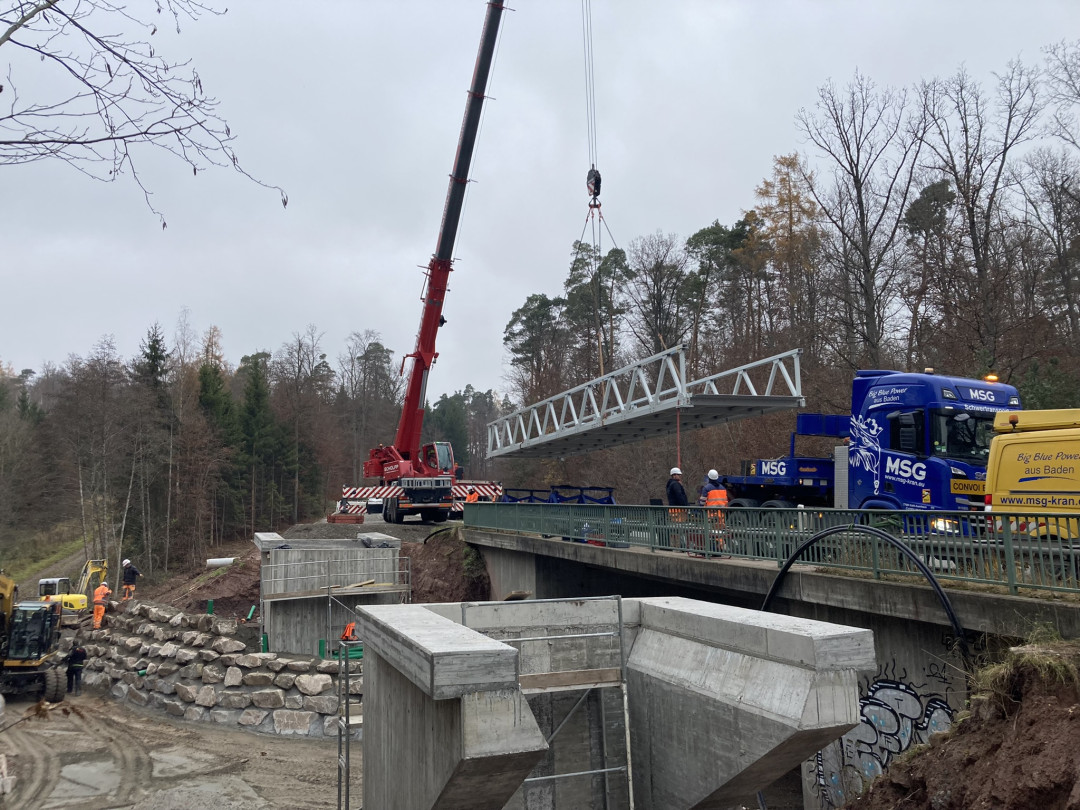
(1045, 658)
(473, 563)
(23, 555)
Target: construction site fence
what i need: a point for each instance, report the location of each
(1014, 550)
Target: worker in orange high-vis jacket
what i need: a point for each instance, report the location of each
(716, 500)
(472, 496)
(101, 597)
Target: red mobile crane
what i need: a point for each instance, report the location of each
(426, 475)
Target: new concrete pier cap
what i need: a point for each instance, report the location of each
(784, 639)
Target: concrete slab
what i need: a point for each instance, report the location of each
(443, 659)
(725, 700)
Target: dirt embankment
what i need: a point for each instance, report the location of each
(1019, 748)
(444, 569)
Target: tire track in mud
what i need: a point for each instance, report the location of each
(37, 769)
(130, 755)
(41, 751)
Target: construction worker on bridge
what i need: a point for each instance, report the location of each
(349, 634)
(472, 496)
(716, 495)
(716, 500)
(101, 598)
(131, 573)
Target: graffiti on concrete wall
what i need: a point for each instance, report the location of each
(896, 713)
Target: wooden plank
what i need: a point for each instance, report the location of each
(336, 592)
(569, 679)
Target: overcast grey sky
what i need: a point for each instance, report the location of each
(355, 107)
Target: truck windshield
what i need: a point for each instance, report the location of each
(962, 436)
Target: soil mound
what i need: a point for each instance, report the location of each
(444, 569)
(234, 589)
(1017, 749)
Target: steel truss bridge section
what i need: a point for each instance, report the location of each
(642, 401)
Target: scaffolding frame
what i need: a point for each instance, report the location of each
(586, 681)
(345, 722)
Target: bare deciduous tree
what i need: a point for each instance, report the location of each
(93, 97)
(971, 139)
(659, 316)
(871, 143)
(1063, 82)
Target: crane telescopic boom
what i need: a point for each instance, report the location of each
(405, 458)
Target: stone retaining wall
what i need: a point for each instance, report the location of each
(208, 669)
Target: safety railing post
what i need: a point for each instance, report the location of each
(1010, 554)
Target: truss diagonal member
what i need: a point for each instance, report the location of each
(639, 401)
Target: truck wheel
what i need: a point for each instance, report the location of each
(778, 505)
(744, 503)
(428, 515)
(398, 516)
(55, 685)
(441, 516)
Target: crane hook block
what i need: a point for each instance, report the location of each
(592, 181)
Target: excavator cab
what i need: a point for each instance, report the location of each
(74, 599)
(53, 586)
(29, 651)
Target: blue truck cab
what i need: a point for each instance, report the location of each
(913, 441)
(921, 441)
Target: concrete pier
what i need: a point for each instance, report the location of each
(460, 700)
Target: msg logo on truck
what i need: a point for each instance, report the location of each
(981, 394)
(773, 467)
(905, 468)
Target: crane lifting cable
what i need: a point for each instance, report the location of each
(595, 216)
(593, 178)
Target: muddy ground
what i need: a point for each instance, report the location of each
(91, 752)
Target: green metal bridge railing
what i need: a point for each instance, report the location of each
(1012, 550)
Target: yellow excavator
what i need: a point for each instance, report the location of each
(74, 600)
(29, 640)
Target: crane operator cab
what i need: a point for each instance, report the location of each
(439, 458)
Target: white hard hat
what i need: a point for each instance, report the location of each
(127, 562)
(713, 475)
(675, 471)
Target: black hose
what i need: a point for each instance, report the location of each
(965, 653)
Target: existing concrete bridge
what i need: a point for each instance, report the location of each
(919, 682)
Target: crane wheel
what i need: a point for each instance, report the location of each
(55, 685)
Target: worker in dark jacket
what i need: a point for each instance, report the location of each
(76, 660)
(676, 495)
(131, 573)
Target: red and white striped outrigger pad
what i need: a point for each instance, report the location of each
(355, 493)
(485, 488)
